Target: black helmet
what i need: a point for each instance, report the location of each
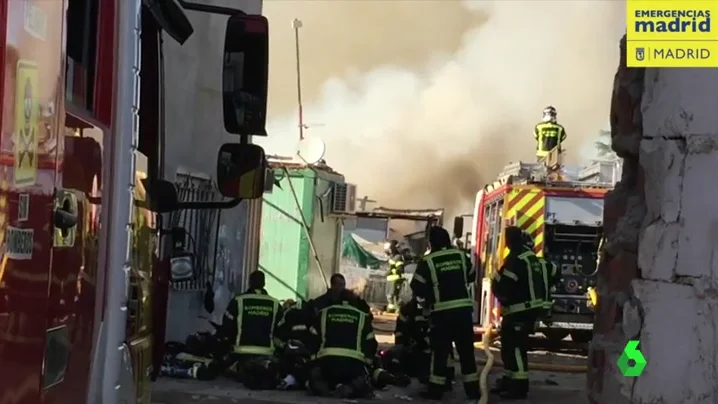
(514, 238)
(527, 239)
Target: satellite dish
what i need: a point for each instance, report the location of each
(311, 150)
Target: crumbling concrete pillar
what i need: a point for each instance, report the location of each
(658, 278)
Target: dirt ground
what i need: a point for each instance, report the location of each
(551, 385)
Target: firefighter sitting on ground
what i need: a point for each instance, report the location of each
(249, 324)
(443, 278)
(344, 347)
(394, 275)
(548, 133)
(411, 353)
(522, 287)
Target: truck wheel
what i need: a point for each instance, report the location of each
(581, 336)
(555, 334)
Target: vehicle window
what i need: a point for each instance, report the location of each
(82, 17)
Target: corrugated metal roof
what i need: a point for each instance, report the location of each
(404, 214)
(293, 163)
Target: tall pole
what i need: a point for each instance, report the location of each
(296, 24)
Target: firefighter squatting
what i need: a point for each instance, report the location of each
(328, 347)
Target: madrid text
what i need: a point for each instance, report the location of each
(672, 21)
(680, 53)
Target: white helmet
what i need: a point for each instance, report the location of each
(549, 114)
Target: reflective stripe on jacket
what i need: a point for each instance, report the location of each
(345, 331)
(257, 318)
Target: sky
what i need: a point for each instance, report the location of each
(421, 103)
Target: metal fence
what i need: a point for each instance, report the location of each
(200, 225)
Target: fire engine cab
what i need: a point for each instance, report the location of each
(84, 267)
(564, 219)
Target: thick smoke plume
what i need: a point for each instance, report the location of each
(422, 102)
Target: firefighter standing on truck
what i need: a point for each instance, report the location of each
(249, 325)
(394, 275)
(443, 278)
(344, 347)
(522, 288)
(548, 133)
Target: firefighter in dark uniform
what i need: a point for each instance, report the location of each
(443, 279)
(548, 133)
(394, 275)
(337, 293)
(413, 345)
(345, 346)
(522, 287)
(554, 275)
(294, 336)
(249, 325)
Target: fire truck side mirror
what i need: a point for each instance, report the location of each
(161, 195)
(245, 75)
(169, 15)
(241, 170)
(458, 227)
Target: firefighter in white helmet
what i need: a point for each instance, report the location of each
(549, 134)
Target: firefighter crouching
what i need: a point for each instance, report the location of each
(293, 353)
(249, 324)
(394, 275)
(411, 353)
(522, 287)
(443, 278)
(381, 377)
(344, 346)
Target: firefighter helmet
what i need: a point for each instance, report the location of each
(527, 239)
(550, 114)
(391, 247)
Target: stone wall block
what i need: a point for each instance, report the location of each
(626, 124)
(677, 102)
(622, 270)
(658, 250)
(699, 217)
(663, 162)
(678, 347)
(605, 314)
(596, 369)
(628, 227)
(614, 206)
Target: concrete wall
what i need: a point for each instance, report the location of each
(194, 131)
(657, 278)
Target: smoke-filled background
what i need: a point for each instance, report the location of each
(422, 102)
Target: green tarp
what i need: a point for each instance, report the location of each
(353, 251)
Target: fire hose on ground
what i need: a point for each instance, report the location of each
(484, 376)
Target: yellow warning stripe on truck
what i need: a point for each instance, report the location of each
(525, 208)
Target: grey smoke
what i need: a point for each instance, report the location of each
(422, 102)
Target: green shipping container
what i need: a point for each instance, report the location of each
(285, 253)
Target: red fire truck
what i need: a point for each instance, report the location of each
(83, 273)
(564, 218)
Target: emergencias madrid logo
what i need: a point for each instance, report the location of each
(631, 353)
(671, 33)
